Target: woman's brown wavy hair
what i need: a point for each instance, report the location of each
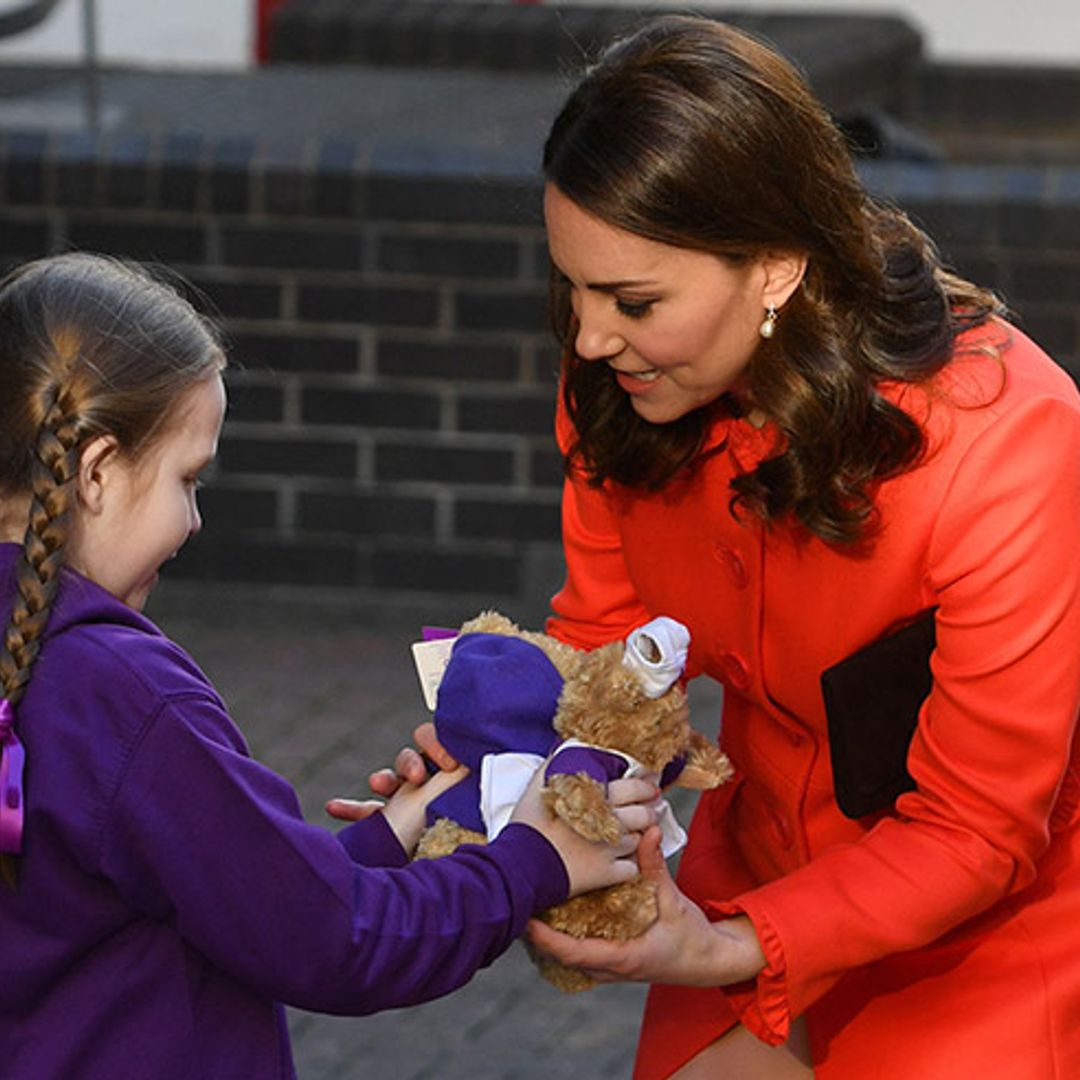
(691, 133)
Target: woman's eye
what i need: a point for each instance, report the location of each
(634, 309)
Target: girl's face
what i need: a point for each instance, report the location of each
(135, 515)
(677, 327)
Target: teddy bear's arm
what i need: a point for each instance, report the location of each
(582, 803)
(706, 766)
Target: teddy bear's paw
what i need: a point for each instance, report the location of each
(444, 837)
(582, 803)
(706, 765)
(568, 980)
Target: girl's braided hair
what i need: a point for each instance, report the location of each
(89, 346)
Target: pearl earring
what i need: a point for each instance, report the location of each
(768, 327)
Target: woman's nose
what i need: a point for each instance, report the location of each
(597, 338)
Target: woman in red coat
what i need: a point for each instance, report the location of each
(787, 426)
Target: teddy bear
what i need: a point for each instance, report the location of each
(509, 699)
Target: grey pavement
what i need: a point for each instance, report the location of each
(324, 697)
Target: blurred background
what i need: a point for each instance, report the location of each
(351, 187)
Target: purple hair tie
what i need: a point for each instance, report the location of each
(11, 782)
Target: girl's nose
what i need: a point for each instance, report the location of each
(597, 338)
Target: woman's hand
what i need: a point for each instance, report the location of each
(591, 865)
(411, 763)
(682, 947)
(410, 767)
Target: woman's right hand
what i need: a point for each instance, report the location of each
(591, 865)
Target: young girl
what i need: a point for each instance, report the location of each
(163, 892)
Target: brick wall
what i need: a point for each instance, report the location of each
(393, 379)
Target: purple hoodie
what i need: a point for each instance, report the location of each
(171, 895)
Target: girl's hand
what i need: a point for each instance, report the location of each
(682, 947)
(591, 865)
(406, 808)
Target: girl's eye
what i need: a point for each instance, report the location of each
(634, 309)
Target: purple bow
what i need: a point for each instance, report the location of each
(11, 782)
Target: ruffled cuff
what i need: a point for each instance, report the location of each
(763, 1004)
(371, 842)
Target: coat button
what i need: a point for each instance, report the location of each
(734, 565)
(735, 670)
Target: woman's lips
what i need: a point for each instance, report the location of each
(636, 382)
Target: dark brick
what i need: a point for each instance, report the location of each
(1055, 331)
(291, 248)
(527, 415)
(546, 467)
(230, 175)
(180, 175)
(334, 184)
(369, 304)
(24, 238)
(503, 519)
(988, 270)
(954, 223)
(451, 256)
(283, 352)
(443, 464)
(450, 571)
(369, 408)
(254, 403)
(128, 170)
(450, 200)
(237, 299)
(1040, 225)
(24, 167)
(1038, 279)
(139, 239)
(225, 507)
(520, 310)
(284, 191)
(447, 360)
(76, 168)
(229, 191)
(224, 558)
(289, 457)
(381, 514)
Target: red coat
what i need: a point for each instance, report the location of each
(941, 938)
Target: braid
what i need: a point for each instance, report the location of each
(54, 470)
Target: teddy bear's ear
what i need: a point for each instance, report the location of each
(490, 622)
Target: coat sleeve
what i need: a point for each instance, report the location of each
(993, 756)
(597, 603)
(201, 836)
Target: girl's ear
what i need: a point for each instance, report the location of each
(95, 463)
(783, 270)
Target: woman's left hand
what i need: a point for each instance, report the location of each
(682, 947)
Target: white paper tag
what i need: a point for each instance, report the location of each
(431, 658)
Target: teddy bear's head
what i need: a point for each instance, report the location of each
(605, 704)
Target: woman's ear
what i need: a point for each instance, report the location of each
(95, 467)
(783, 272)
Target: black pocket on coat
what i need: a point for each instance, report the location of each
(872, 701)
